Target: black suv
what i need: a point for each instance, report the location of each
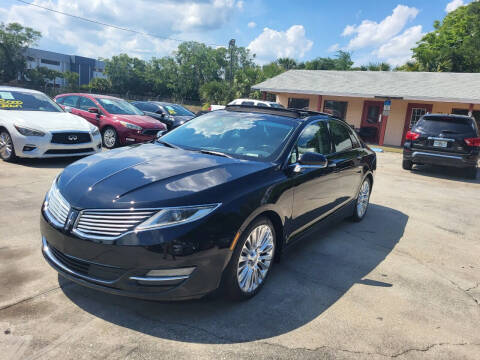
(448, 140)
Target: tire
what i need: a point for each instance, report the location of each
(110, 138)
(362, 202)
(471, 173)
(7, 150)
(238, 284)
(407, 165)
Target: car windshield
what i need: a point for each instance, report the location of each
(243, 135)
(177, 110)
(119, 106)
(437, 125)
(27, 101)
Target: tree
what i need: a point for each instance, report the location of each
(71, 79)
(409, 66)
(126, 74)
(341, 61)
(383, 66)
(14, 39)
(454, 44)
(287, 63)
(215, 92)
(100, 85)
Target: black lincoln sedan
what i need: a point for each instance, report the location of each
(172, 115)
(211, 204)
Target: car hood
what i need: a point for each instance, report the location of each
(150, 176)
(144, 121)
(47, 121)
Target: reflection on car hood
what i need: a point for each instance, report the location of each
(47, 121)
(148, 175)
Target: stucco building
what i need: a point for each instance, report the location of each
(361, 98)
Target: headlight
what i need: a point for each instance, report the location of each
(175, 216)
(94, 131)
(29, 132)
(130, 126)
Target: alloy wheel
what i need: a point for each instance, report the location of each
(109, 138)
(363, 198)
(6, 145)
(255, 258)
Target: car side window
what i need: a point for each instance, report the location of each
(86, 103)
(60, 100)
(70, 101)
(314, 138)
(340, 136)
(355, 140)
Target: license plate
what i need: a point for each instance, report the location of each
(440, 143)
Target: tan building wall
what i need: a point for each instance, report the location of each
(396, 120)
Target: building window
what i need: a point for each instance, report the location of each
(50, 62)
(417, 113)
(475, 114)
(337, 109)
(271, 97)
(297, 103)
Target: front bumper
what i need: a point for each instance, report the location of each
(129, 136)
(440, 158)
(43, 148)
(110, 268)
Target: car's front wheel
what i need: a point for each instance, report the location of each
(471, 173)
(110, 138)
(7, 151)
(363, 199)
(407, 165)
(251, 261)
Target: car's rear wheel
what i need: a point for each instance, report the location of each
(110, 138)
(251, 260)
(407, 165)
(7, 150)
(471, 173)
(363, 199)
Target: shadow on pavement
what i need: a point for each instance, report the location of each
(52, 163)
(447, 173)
(310, 278)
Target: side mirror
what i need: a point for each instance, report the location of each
(313, 159)
(93, 110)
(67, 109)
(161, 133)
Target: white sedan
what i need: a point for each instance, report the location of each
(33, 126)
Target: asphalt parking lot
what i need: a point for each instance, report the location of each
(404, 283)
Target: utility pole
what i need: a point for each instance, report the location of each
(231, 48)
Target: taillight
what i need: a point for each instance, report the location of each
(412, 135)
(473, 142)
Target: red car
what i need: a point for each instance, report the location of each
(120, 123)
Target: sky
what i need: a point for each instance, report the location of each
(372, 30)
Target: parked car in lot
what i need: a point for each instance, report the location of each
(172, 115)
(33, 126)
(448, 140)
(211, 203)
(120, 123)
(254, 102)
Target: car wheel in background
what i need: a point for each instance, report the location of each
(110, 138)
(407, 165)
(251, 260)
(363, 199)
(471, 173)
(7, 151)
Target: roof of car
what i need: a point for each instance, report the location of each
(291, 113)
(88, 94)
(448, 115)
(14, 88)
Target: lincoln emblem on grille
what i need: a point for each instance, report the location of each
(72, 138)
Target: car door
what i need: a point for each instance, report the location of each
(84, 104)
(315, 190)
(346, 160)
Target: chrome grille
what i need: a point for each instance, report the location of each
(109, 223)
(57, 208)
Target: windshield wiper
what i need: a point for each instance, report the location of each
(217, 153)
(168, 144)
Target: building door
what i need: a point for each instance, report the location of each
(371, 121)
(414, 113)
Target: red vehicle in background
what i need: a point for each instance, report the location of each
(120, 123)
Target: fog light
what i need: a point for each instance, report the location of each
(164, 277)
(29, 148)
(171, 272)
